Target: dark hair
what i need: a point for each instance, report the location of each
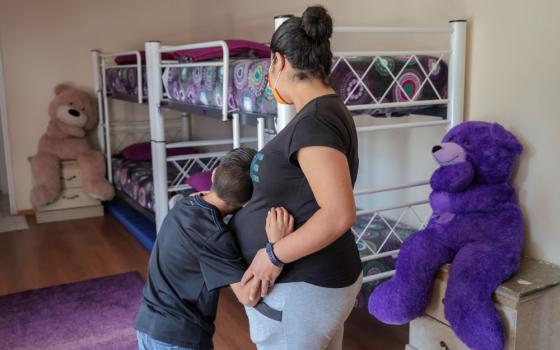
(232, 181)
(304, 41)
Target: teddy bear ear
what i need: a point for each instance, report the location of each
(61, 87)
(506, 138)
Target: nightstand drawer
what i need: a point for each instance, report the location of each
(428, 334)
(71, 198)
(70, 177)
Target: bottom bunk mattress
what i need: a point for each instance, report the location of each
(135, 179)
(377, 236)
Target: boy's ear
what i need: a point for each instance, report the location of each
(213, 174)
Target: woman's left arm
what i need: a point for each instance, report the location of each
(328, 174)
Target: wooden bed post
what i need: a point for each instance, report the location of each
(157, 130)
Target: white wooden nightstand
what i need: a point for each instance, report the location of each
(74, 202)
(529, 304)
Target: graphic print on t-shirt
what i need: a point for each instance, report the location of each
(255, 167)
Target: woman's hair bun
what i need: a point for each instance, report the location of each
(317, 23)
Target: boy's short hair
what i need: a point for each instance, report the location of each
(232, 180)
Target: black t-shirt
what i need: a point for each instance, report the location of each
(193, 257)
(279, 182)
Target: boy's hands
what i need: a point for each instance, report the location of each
(262, 271)
(279, 223)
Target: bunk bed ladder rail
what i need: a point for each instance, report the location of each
(204, 161)
(100, 88)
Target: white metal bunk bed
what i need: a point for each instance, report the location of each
(157, 101)
(160, 125)
(455, 106)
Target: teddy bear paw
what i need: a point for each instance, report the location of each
(482, 329)
(387, 306)
(41, 195)
(101, 190)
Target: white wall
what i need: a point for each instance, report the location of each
(514, 79)
(48, 42)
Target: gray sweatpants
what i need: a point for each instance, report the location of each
(302, 316)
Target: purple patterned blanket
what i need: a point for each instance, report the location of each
(373, 238)
(388, 79)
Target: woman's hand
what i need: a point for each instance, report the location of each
(263, 270)
(279, 223)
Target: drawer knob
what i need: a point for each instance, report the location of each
(443, 345)
(71, 197)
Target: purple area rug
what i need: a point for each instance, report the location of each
(94, 314)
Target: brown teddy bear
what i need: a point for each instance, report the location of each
(72, 112)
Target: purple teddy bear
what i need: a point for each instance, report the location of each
(476, 224)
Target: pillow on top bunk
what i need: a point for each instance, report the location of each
(131, 59)
(143, 152)
(200, 181)
(236, 47)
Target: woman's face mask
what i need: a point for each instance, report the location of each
(274, 87)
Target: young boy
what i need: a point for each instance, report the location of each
(194, 256)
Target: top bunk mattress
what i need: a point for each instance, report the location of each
(356, 80)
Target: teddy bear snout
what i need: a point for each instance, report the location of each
(74, 112)
(449, 153)
(70, 115)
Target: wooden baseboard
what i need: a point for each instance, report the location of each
(68, 214)
(26, 212)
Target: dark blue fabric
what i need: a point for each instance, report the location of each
(138, 225)
(194, 255)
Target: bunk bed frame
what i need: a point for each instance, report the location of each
(264, 123)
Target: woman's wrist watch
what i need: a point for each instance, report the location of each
(273, 258)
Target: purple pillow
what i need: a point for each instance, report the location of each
(131, 59)
(143, 151)
(235, 46)
(200, 181)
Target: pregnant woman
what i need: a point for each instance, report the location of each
(309, 168)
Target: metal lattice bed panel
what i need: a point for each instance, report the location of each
(392, 223)
(379, 231)
(179, 167)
